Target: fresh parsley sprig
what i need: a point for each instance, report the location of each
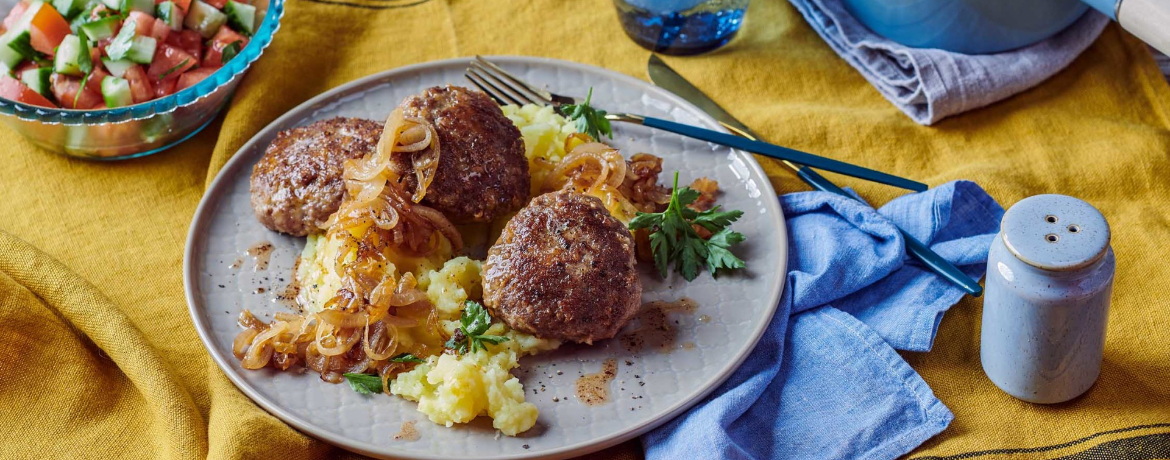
(364, 383)
(473, 325)
(673, 237)
(588, 120)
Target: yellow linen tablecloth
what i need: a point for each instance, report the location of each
(99, 359)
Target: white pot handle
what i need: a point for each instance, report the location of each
(1149, 20)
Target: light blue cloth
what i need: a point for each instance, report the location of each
(932, 84)
(825, 381)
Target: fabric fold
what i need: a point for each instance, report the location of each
(827, 382)
(932, 84)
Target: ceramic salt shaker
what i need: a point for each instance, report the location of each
(1049, 279)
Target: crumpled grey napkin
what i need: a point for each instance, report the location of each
(932, 84)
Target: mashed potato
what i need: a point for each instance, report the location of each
(544, 132)
(451, 388)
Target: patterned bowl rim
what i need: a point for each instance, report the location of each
(196, 236)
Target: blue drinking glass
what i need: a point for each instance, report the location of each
(681, 27)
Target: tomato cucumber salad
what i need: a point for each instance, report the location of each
(97, 54)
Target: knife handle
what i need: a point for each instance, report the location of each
(783, 153)
(932, 260)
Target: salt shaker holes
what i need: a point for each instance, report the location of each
(1051, 219)
(1073, 228)
(1052, 237)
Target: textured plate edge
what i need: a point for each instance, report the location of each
(199, 220)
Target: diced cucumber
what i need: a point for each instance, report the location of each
(204, 18)
(17, 41)
(116, 92)
(9, 56)
(70, 8)
(145, 6)
(100, 29)
(115, 5)
(171, 14)
(142, 50)
(38, 80)
(68, 59)
(117, 67)
(85, 16)
(241, 17)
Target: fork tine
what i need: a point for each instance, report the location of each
(503, 87)
(500, 96)
(493, 70)
(475, 81)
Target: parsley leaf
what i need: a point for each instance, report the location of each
(473, 325)
(718, 255)
(673, 236)
(84, 60)
(588, 120)
(230, 51)
(406, 358)
(118, 48)
(364, 383)
(81, 89)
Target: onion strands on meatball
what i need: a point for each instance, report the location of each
(600, 170)
(378, 216)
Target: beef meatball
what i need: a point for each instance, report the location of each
(563, 268)
(482, 172)
(297, 185)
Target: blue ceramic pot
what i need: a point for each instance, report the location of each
(969, 26)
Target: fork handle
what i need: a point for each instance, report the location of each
(781, 153)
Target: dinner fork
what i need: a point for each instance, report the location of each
(507, 89)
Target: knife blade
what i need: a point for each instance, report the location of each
(667, 78)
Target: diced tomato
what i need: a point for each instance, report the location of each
(218, 4)
(192, 77)
(166, 87)
(160, 30)
(11, 88)
(140, 87)
(95, 55)
(15, 14)
(48, 29)
(65, 90)
(25, 66)
(95, 79)
(189, 41)
(182, 4)
(170, 61)
(143, 23)
(224, 37)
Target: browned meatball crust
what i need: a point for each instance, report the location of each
(297, 185)
(563, 268)
(482, 173)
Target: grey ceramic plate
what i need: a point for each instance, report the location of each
(655, 381)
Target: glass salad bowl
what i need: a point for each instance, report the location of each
(148, 127)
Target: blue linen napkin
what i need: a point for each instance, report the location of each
(932, 84)
(825, 381)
